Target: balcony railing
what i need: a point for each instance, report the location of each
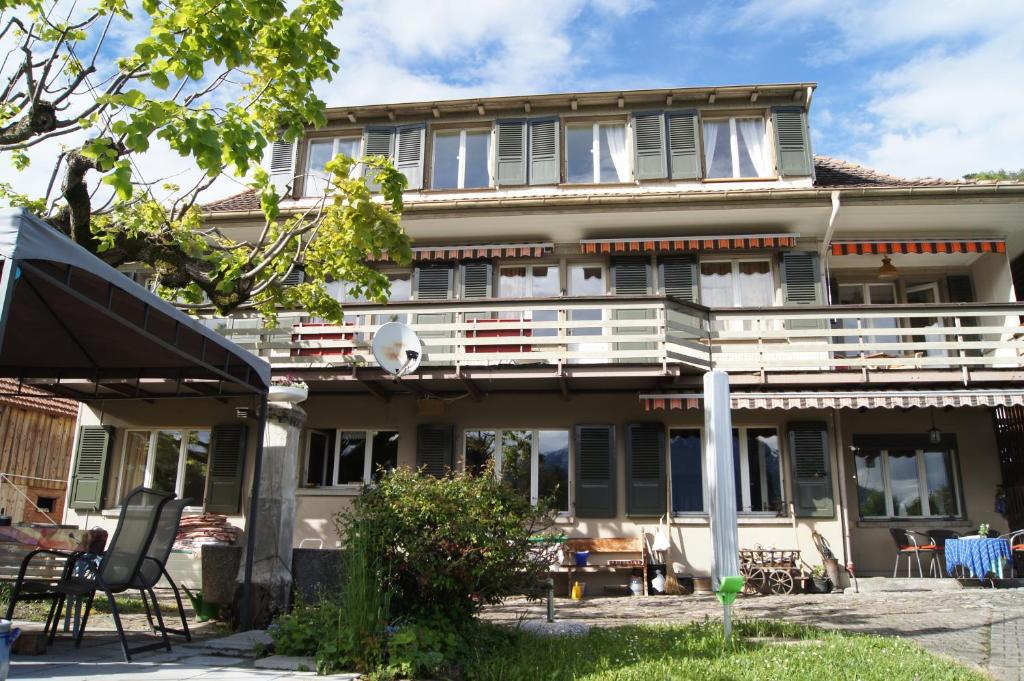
(654, 330)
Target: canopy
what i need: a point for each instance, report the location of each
(833, 399)
(73, 325)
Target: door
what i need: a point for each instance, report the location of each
(587, 280)
(871, 344)
(926, 294)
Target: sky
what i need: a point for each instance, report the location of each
(918, 88)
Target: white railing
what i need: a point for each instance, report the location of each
(654, 330)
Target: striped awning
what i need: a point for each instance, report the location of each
(470, 251)
(817, 399)
(683, 244)
(911, 246)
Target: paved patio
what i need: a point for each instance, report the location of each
(983, 628)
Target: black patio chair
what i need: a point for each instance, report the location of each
(910, 543)
(939, 538)
(154, 566)
(1016, 540)
(118, 569)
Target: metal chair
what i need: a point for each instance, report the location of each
(938, 538)
(154, 565)
(1016, 539)
(907, 544)
(119, 568)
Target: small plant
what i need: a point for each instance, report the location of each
(289, 382)
(818, 571)
(983, 530)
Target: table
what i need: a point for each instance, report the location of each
(979, 556)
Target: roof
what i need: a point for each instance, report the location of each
(34, 399)
(66, 317)
(830, 173)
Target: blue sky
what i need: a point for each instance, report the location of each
(919, 88)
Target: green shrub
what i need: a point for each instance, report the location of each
(300, 631)
(448, 546)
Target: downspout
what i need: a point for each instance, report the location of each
(844, 510)
(826, 244)
(246, 614)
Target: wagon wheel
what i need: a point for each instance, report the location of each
(755, 583)
(781, 582)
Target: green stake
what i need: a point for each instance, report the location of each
(727, 592)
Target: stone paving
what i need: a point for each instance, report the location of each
(983, 628)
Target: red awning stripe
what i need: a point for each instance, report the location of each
(468, 252)
(845, 400)
(917, 246)
(687, 243)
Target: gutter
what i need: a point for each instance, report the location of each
(709, 197)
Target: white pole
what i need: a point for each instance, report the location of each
(718, 463)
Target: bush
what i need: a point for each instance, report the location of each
(448, 546)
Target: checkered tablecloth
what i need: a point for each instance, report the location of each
(977, 555)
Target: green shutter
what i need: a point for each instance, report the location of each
(511, 156)
(802, 285)
(684, 144)
(476, 279)
(631, 276)
(434, 448)
(282, 158)
(377, 141)
(433, 282)
(645, 469)
(792, 142)
(595, 472)
(649, 146)
(227, 462)
(679, 277)
(89, 472)
(409, 155)
(811, 470)
(544, 158)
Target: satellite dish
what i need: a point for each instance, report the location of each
(397, 349)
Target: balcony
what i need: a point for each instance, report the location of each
(858, 342)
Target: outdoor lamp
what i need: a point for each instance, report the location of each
(888, 270)
(934, 434)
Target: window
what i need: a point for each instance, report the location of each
(587, 280)
(462, 159)
(736, 283)
(758, 463)
(686, 458)
(597, 153)
(169, 460)
(530, 281)
(322, 151)
(336, 458)
(909, 478)
(736, 147)
(867, 294)
(46, 504)
(534, 462)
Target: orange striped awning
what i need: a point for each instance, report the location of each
(470, 251)
(679, 244)
(833, 399)
(912, 246)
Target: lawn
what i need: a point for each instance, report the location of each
(763, 650)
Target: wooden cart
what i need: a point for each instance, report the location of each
(766, 571)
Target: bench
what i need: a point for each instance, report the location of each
(629, 553)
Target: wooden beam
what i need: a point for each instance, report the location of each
(563, 385)
(374, 389)
(472, 388)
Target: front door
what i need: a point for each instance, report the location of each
(923, 294)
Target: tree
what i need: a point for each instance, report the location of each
(1003, 175)
(216, 81)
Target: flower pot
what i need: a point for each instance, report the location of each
(581, 558)
(291, 394)
(822, 585)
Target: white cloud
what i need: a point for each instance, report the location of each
(946, 100)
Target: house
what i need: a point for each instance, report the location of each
(581, 260)
(36, 432)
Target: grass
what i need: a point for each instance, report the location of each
(697, 651)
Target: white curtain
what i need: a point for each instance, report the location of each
(615, 136)
(752, 132)
(710, 143)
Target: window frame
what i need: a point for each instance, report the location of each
(461, 172)
(368, 436)
(148, 469)
(922, 482)
(595, 148)
(769, 148)
(735, 273)
(703, 513)
(335, 140)
(534, 460)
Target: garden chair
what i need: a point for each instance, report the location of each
(1016, 539)
(118, 570)
(154, 565)
(910, 543)
(938, 538)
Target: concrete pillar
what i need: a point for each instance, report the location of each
(721, 477)
(275, 513)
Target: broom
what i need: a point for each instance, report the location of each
(672, 585)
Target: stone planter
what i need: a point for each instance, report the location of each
(290, 394)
